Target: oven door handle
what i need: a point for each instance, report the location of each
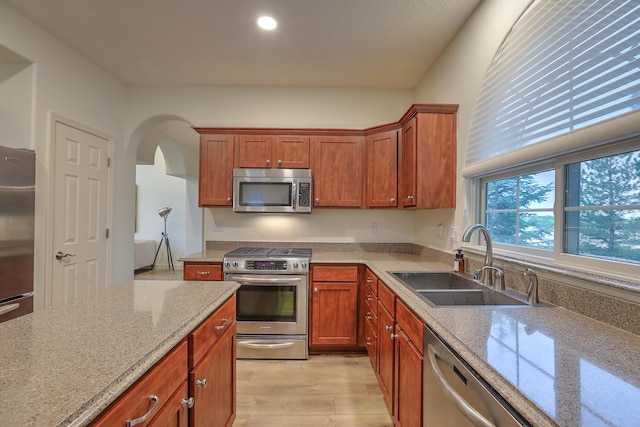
(264, 280)
(256, 344)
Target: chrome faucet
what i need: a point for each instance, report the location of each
(532, 290)
(499, 278)
(487, 277)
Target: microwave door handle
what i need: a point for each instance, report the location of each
(294, 195)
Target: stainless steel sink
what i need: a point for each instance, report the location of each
(454, 289)
(469, 297)
(425, 280)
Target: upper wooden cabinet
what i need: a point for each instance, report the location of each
(382, 169)
(427, 163)
(337, 165)
(272, 151)
(216, 170)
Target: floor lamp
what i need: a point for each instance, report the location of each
(164, 213)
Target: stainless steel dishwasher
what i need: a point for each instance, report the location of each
(454, 395)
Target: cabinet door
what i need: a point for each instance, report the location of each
(254, 151)
(174, 413)
(202, 271)
(334, 319)
(337, 171)
(292, 152)
(212, 384)
(216, 170)
(382, 169)
(409, 390)
(407, 165)
(386, 344)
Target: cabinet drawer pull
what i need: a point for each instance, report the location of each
(153, 398)
(203, 273)
(201, 383)
(225, 322)
(188, 402)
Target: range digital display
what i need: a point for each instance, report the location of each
(266, 265)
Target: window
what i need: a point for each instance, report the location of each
(602, 207)
(519, 210)
(598, 204)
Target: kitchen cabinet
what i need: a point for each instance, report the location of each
(334, 307)
(369, 316)
(216, 170)
(175, 412)
(212, 364)
(386, 343)
(337, 164)
(409, 368)
(272, 151)
(427, 157)
(382, 169)
(153, 394)
(202, 271)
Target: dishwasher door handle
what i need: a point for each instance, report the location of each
(465, 407)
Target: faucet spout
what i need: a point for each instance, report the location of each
(487, 277)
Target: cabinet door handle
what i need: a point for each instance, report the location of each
(188, 402)
(268, 162)
(394, 336)
(368, 298)
(201, 383)
(368, 316)
(392, 200)
(315, 290)
(152, 399)
(410, 197)
(279, 162)
(225, 322)
(369, 280)
(388, 328)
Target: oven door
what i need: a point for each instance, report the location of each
(271, 304)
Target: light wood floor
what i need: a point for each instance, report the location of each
(321, 391)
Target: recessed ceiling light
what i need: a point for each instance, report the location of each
(267, 23)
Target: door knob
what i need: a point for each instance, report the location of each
(60, 255)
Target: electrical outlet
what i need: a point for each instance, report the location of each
(218, 227)
(454, 234)
(374, 228)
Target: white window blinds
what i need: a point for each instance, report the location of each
(565, 65)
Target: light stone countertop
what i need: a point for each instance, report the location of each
(63, 366)
(554, 366)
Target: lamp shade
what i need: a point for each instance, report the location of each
(164, 212)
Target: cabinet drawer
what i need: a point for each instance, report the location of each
(386, 297)
(410, 324)
(205, 271)
(161, 381)
(371, 280)
(208, 332)
(325, 273)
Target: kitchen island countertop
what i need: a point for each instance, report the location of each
(554, 366)
(63, 366)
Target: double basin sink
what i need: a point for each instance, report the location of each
(452, 289)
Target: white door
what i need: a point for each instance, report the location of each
(80, 207)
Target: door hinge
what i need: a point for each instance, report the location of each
(108, 162)
(107, 233)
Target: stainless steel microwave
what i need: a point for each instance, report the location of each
(272, 190)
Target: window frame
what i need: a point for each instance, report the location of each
(557, 257)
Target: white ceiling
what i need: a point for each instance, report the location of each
(319, 43)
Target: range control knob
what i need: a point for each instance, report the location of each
(235, 263)
(227, 263)
(304, 264)
(295, 264)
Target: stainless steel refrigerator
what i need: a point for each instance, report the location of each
(17, 211)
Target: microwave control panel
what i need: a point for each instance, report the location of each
(304, 196)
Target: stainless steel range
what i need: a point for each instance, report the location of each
(272, 301)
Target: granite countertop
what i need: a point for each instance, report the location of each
(554, 366)
(63, 366)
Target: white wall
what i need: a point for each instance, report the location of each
(456, 78)
(65, 83)
(155, 190)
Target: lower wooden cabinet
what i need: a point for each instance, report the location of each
(334, 306)
(151, 394)
(409, 368)
(194, 384)
(202, 271)
(212, 376)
